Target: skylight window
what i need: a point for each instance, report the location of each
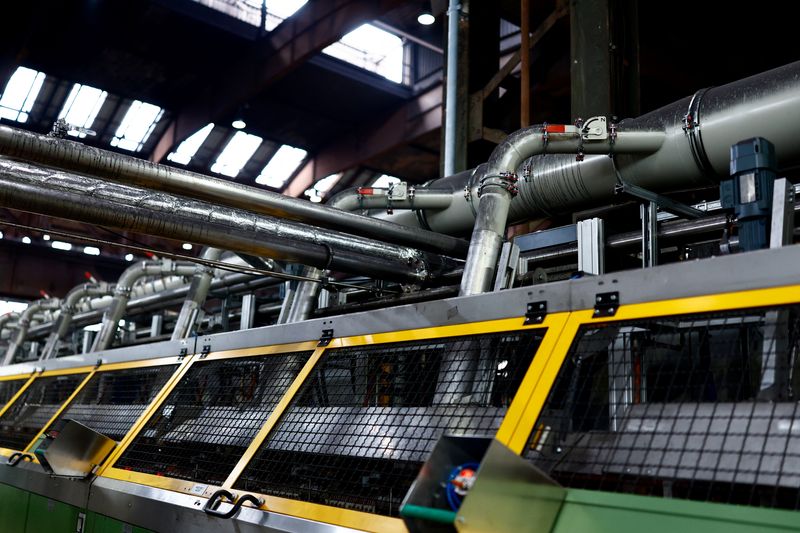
(321, 188)
(249, 11)
(384, 181)
(20, 94)
(236, 154)
(372, 49)
(281, 167)
(82, 106)
(190, 146)
(278, 10)
(136, 127)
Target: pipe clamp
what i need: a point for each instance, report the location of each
(505, 180)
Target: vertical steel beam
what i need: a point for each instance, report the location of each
(525, 65)
(590, 66)
(649, 214)
(591, 242)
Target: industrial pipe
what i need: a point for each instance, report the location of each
(198, 292)
(55, 193)
(359, 198)
(70, 155)
(49, 304)
(451, 88)
(67, 311)
(122, 293)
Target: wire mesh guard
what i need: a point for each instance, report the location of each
(206, 423)
(9, 388)
(359, 428)
(34, 408)
(112, 401)
(701, 407)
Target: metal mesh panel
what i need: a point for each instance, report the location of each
(701, 407)
(34, 408)
(112, 401)
(360, 427)
(9, 388)
(208, 420)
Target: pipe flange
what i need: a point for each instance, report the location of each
(692, 129)
(505, 180)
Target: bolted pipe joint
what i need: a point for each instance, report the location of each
(24, 323)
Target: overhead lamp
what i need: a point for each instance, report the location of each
(128, 257)
(238, 119)
(239, 124)
(187, 246)
(26, 240)
(426, 19)
(45, 237)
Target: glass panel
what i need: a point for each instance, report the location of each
(20, 93)
(136, 127)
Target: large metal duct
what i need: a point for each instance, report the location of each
(67, 311)
(25, 319)
(26, 187)
(122, 294)
(198, 291)
(71, 155)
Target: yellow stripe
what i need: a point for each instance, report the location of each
(159, 482)
(263, 350)
(273, 418)
(521, 399)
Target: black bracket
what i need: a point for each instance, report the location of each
(206, 351)
(667, 204)
(16, 457)
(536, 313)
(327, 337)
(211, 506)
(183, 353)
(606, 304)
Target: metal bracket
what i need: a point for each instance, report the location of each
(206, 351)
(536, 313)
(327, 337)
(667, 204)
(606, 304)
(505, 180)
(183, 353)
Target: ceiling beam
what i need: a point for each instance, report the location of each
(411, 121)
(315, 26)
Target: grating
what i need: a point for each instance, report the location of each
(701, 407)
(9, 388)
(359, 428)
(206, 423)
(112, 401)
(34, 408)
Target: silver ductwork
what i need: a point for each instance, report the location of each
(25, 319)
(49, 192)
(198, 291)
(122, 294)
(68, 308)
(71, 155)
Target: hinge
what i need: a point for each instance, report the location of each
(536, 313)
(206, 351)
(98, 363)
(606, 304)
(327, 337)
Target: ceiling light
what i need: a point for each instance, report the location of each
(26, 240)
(91, 250)
(1, 235)
(187, 246)
(128, 257)
(239, 124)
(426, 19)
(46, 237)
(61, 245)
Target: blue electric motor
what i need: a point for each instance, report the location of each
(749, 191)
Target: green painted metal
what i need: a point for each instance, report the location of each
(48, 516)
(605, 512)
(13, 509)
(97, 523)
(441, 516)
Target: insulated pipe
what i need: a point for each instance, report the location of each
(122, 294)
(54, 193)
(70, 155)
(50, 304)
(697, 133)
(305, 296)
(198, 292)
(68, 307)
(416, 198)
